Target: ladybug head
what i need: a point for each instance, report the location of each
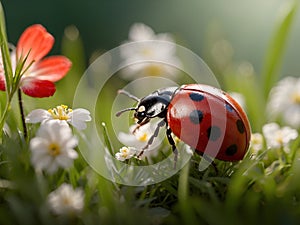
(153, 105)
(147, 108)
(140, 113)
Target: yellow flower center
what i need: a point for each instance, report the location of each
(60, 112)
(143, 137)
(124, 151)
(147, 52)
(54, 149)
(296, 98)
(66, 201)
(256, 141)
(154, 70)
(279, 139)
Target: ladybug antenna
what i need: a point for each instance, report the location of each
(129, 95)
(124, 110)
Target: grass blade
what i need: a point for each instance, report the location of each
(274, 55)
(5, 50)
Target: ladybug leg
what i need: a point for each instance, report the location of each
(141, 124)
(151, 139)
(211, 161)
(172, 143)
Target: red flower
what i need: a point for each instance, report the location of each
(38, 80)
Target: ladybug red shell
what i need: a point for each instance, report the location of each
(210, 121)
(204, 117)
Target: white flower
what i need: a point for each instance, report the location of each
(256, 142)
(125, 153)
(277, 137)
(142, 32)
(52, 147)
(140, 137)
(147, 48)
(284, 100)
(76, 117)
(66, 201)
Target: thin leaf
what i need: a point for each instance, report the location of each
(5, 51)
(20, 71)
(7, 70)
(106, 138)
(183, 195)
(273, 60)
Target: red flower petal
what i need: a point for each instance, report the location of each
(37, 88)
(52, 68)
(2, 82)
(36, 40)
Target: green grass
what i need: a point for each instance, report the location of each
(252, 191)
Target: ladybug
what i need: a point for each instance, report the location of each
(204, 117)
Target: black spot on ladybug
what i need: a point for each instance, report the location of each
(196, 116)
(213, 133)
(196, 97)
(229, 107)
(240, 126)
(231, 150)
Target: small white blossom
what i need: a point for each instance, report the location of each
(76, 117)
(256, 142)
(284, 101)
(125, 153)
(277, 137)
(140, 137)
(66, 201)
(149, 49)
(141, 32)
(53, 147)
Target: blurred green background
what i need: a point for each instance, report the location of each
(260, 191)
(104, 24)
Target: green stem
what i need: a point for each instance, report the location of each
(3, 118)
(183, 196)
(22, 113)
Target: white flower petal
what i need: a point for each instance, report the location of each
(269, 129)
(277, 137)
(256, 142)
(140, 32)
(60, 131)
(52, 147)
(288, 134)
(52, 167)
(71, 143)
(66, 200)
(37, 116)
(129, 140)
(165, 37)
(292, 116)
(79, 117)
(284, 101)
(42, 161)
(64, 162)
(38, 144)
(80, 114)
(143, 45)
(72, 154)
(119, 156)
